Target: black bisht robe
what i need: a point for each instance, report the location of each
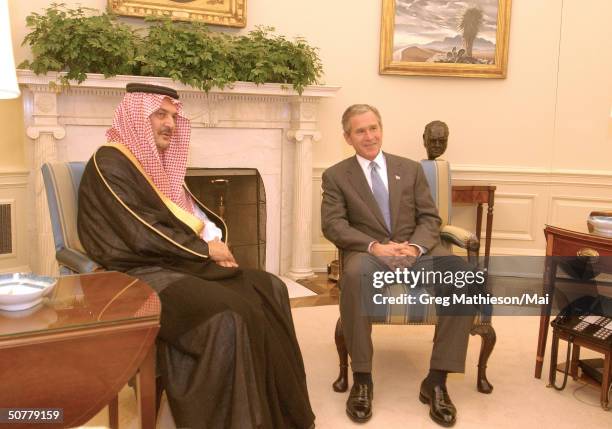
(227, 349)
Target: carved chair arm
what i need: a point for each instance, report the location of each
(460, 237)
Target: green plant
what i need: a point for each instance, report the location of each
(77, 41)
(189, 53)
(260, 57)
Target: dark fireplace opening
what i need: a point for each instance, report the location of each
(239, 197)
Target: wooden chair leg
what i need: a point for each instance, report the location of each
(341, 383)
(113, 413)
(487, 334)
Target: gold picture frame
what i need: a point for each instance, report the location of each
(428, 39)
(229, 13)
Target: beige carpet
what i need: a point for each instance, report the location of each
(402, 360)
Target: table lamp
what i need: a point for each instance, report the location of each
(8, 78)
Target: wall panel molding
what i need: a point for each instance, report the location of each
(518, 226)
(530, 176)
(566, 209)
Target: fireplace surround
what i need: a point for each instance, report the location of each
(268, 127)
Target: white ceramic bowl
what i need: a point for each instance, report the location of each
(20, 291)
(600, 225)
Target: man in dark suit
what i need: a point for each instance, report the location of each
(378, 209)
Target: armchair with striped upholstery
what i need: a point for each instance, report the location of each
(438, 177)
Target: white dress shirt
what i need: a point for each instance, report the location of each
(366, 166)
(210, 231)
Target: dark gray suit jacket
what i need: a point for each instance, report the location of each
(351, 218)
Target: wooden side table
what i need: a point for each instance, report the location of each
(479, 195)
(77, 349)
(565, 242)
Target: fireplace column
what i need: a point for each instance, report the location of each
(44, 131)
(303, 133)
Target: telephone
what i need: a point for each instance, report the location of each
(587, 317)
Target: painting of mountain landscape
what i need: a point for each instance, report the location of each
(445, 31)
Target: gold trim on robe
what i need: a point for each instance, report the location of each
(124, 151)
(180, 213)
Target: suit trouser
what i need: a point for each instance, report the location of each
(452, 329)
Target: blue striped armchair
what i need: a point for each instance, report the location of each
(62, 181)
(438, 177)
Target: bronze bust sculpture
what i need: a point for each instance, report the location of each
(435, 139)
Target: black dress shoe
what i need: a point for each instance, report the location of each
(441, 408)
(359, 403)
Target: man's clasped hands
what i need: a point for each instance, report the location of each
(396, 255)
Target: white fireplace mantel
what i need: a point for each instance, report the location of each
(270, 127)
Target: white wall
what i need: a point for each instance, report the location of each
(550, 117)
(557, 94)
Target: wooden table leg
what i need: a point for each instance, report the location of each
(146, 391)
(554, 350)
(574, 361)
(113, 413)
(541, 345)
(478, 224)
(550, 269)
(605, 382)
(489, 233)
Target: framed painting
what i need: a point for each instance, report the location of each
(445, 37)
(231, 13)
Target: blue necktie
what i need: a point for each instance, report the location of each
(381, 195)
